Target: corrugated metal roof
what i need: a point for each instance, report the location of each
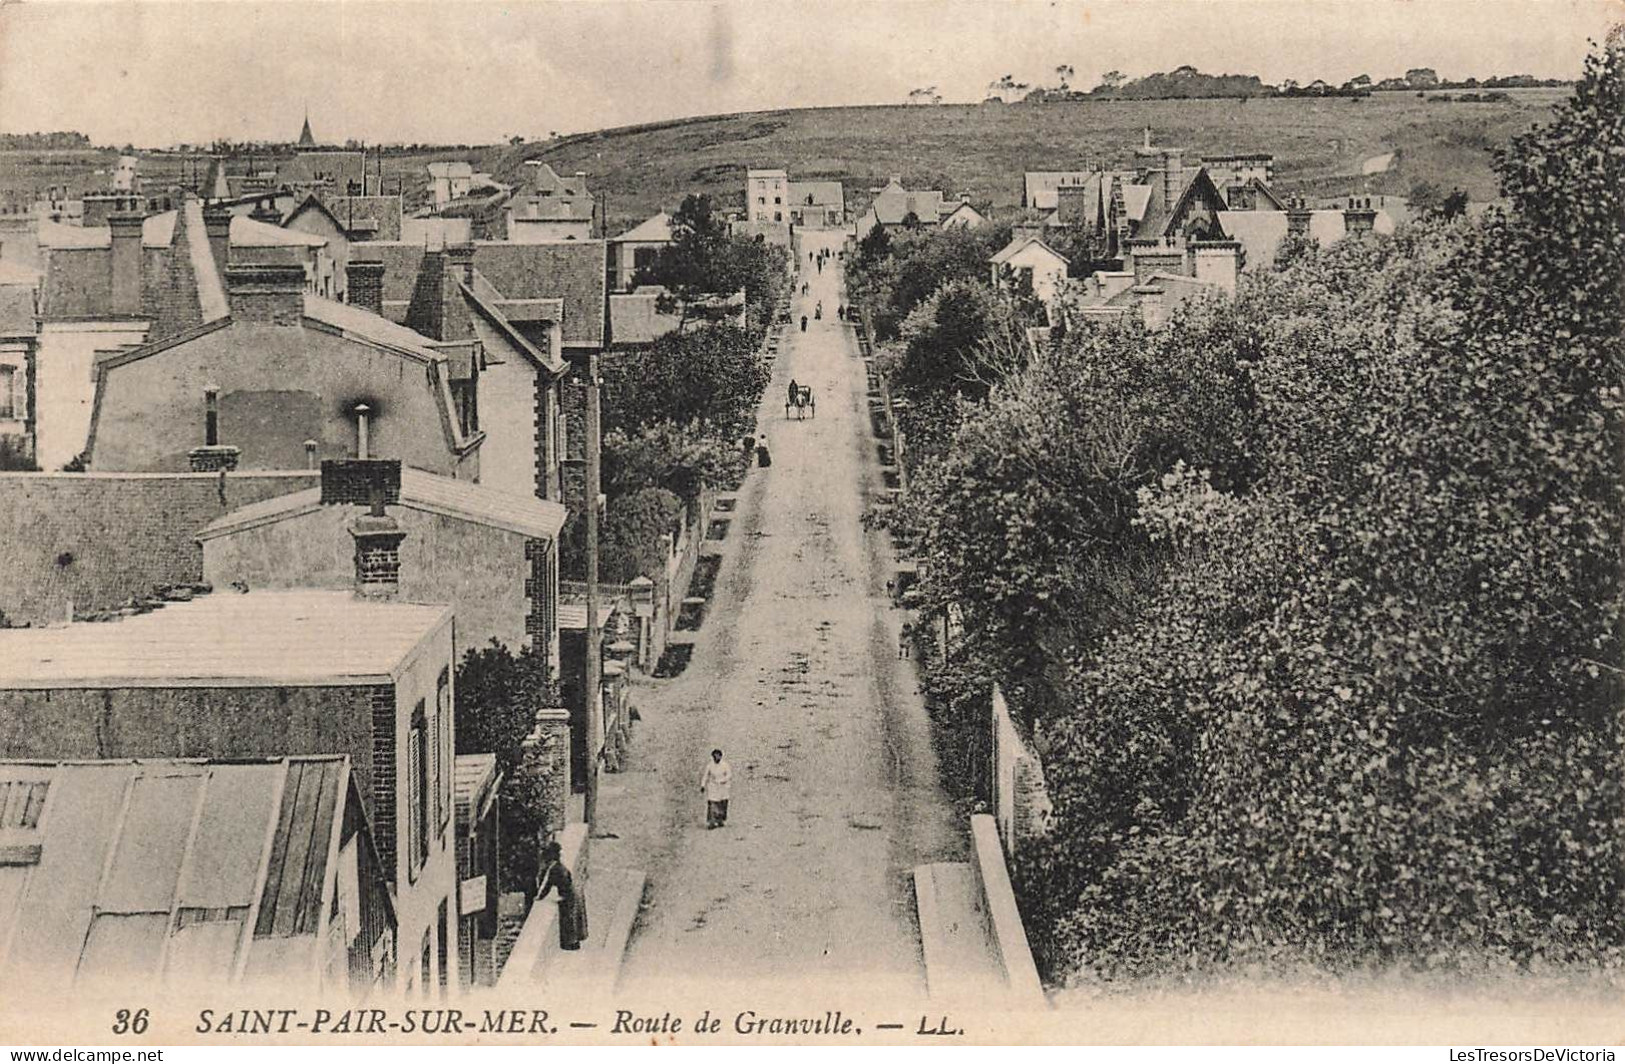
(137, 858)
(524, 514)
(475, 774)
(260, 639)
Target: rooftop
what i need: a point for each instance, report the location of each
(140, 869)
(651, 230)
(524, 514)
(226, 639)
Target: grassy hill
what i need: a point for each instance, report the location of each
(1319, 145)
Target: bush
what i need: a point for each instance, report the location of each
(630, 545)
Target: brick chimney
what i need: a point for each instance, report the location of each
(1359, 217)
(266, 293)
(1297, 219)
(364, 285)
(1152, 310)
(375, 483)
(1217, 261)
(1173, 176)
(1150, 255)
(217, 223)
(460, 262)
(126, 262)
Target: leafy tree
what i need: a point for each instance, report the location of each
(631, 538)
(680, 459)
(712, 375)
(705, 262)
(498, 694)
(1365, 707)
(1454, 205)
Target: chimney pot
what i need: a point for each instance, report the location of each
(217, 223)
(377, 555)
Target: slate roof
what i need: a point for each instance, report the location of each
(574, 271)
(1020, 244)
(1261, 232)
(537, 282)
(824, 194)
(365, 217)
(247, 233)
(894, 203)
(259, 639)
(649, 231)
(128, 871)
(543, 178)
(635, 317)
(425, 492)
(475, 777)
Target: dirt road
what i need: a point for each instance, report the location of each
(795, 676)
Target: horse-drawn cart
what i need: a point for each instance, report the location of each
(802, 406)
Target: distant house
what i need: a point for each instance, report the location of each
(254, 871)
(342, 173)
(449, 181)
(1260, 232)
(964, 216)
(267, 674)
(1029, 262)
(281, 380)
(1161, 197)
(767, 196)
(895, 207)
(819, 204)
(1159, 274)
(637, 248)
(550, 208)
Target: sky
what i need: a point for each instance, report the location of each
(160, 73)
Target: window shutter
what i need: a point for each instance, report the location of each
(414, 792)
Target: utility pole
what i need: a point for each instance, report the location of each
(595, 707)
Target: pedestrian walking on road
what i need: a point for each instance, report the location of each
(572, 906)
(905, 640)
(804, 323)
(715, 783)
(794, 393)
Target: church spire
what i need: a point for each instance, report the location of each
(306, 139)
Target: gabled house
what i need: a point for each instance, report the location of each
(1030, 263)
(551, 296)
(250, 872)
(820, 204)
(550, 208)
(342, 221)
(280, 380)
(637, 248)
(492, 555)
(964, 216)
(895, 207)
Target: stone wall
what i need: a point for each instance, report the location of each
(95, 540)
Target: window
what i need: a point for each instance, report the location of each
(761, 199)
(777, 200)
(9, 406)
(778, 216)
(426, 968)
